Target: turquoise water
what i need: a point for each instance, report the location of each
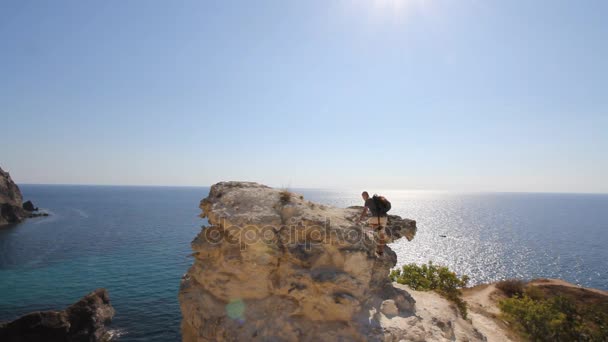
(135, 241)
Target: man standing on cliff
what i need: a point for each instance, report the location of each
(378, 207)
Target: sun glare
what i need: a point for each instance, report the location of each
(398, 10)
(399, 5)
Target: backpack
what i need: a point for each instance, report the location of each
(382, 204)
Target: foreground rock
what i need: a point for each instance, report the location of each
(12, 210)
(274, 267)
(82, 321)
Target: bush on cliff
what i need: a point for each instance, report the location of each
(540, 316)
(285, 196)
(511, 287)
(432, 277)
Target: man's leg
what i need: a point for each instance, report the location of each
(378, 231)
(382, 222)
(373, 227)
(381, 240)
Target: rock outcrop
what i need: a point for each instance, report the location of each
(272, 266)
(12, 208)
(82, 321)
(29, 206)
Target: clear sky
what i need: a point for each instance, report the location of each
(476, 95)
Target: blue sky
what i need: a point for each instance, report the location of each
(405, 94)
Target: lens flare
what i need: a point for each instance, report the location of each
(236, 309)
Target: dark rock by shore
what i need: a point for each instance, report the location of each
(82, 321)
(29, 206)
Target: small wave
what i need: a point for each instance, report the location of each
(46, 219)
(81, 212)
(115, 334)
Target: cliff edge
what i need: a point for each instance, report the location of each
(274, 266)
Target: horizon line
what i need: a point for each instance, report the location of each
(325, 189)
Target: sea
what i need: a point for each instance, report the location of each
(135, 242)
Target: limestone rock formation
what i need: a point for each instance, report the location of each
(272, 266)
(82, 321)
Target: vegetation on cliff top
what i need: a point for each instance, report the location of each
(555, 313)
(285, 196)
(432, 277)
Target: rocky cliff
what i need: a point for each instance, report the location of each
(272, 266)
(12, 208)
(11, 201)
(82, 321)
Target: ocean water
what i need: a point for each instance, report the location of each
(135, 241)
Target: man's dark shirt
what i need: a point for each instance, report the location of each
(371, 205)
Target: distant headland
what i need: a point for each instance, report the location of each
(12, 208)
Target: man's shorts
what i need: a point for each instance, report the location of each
(375, 220)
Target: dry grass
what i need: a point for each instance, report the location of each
(285, 196)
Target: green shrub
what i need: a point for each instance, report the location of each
(595, 324)
(554, 319)
(432, 277)
(535, 293)
(511, 287)
(538, 320)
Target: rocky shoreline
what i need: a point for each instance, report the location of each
(12, 208)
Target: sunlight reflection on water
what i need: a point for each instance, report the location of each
(494, 236)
